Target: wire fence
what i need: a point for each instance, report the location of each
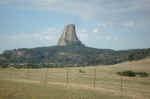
(81, 78)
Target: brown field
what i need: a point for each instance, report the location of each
(76, 83)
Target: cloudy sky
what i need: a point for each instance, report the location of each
(113, 24)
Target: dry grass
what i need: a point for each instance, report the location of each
(107, 81)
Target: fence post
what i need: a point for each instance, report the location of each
(121, 87)
(46, 77)
(10, 73)
(27, 73)
(41, 75)
(94, 78)
(67, 77)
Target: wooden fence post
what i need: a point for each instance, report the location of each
(41, 78)
(121, 87)
(46, 77)
(94, 78)
(67, 78)
(27, 73)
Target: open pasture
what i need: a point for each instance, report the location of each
(92, 82)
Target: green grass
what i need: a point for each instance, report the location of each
(51, 83)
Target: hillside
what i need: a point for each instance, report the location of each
(70, 56)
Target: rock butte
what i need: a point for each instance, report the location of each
(69, 36)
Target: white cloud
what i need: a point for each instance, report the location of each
(103, 10)
(83, 36)
(52, 29)
(82, 30)
(122, 25)
(102, 25)
(48, 38)
(129, 25)
(26, 36)
(120, 14)
(4, 1)
(109, 38)
(29, 40)
(116, 38)
(95, 30)
(49, 34)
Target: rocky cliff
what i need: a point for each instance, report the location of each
(69, 36)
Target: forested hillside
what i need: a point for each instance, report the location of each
(69, 56)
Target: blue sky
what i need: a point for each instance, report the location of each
(111, 24)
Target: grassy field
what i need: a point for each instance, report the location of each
(76, 83)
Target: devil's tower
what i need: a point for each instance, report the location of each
(69, 36)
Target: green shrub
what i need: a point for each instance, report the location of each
(142, 74)
(127, 73)
(130, 73)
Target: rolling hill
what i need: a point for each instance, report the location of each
(70, 55)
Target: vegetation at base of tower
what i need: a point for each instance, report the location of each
(66, 56)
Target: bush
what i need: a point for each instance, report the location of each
(133, 74)
(142, 74)
(4, 66)
(127, 73)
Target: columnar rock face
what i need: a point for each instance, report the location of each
(69, 36)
